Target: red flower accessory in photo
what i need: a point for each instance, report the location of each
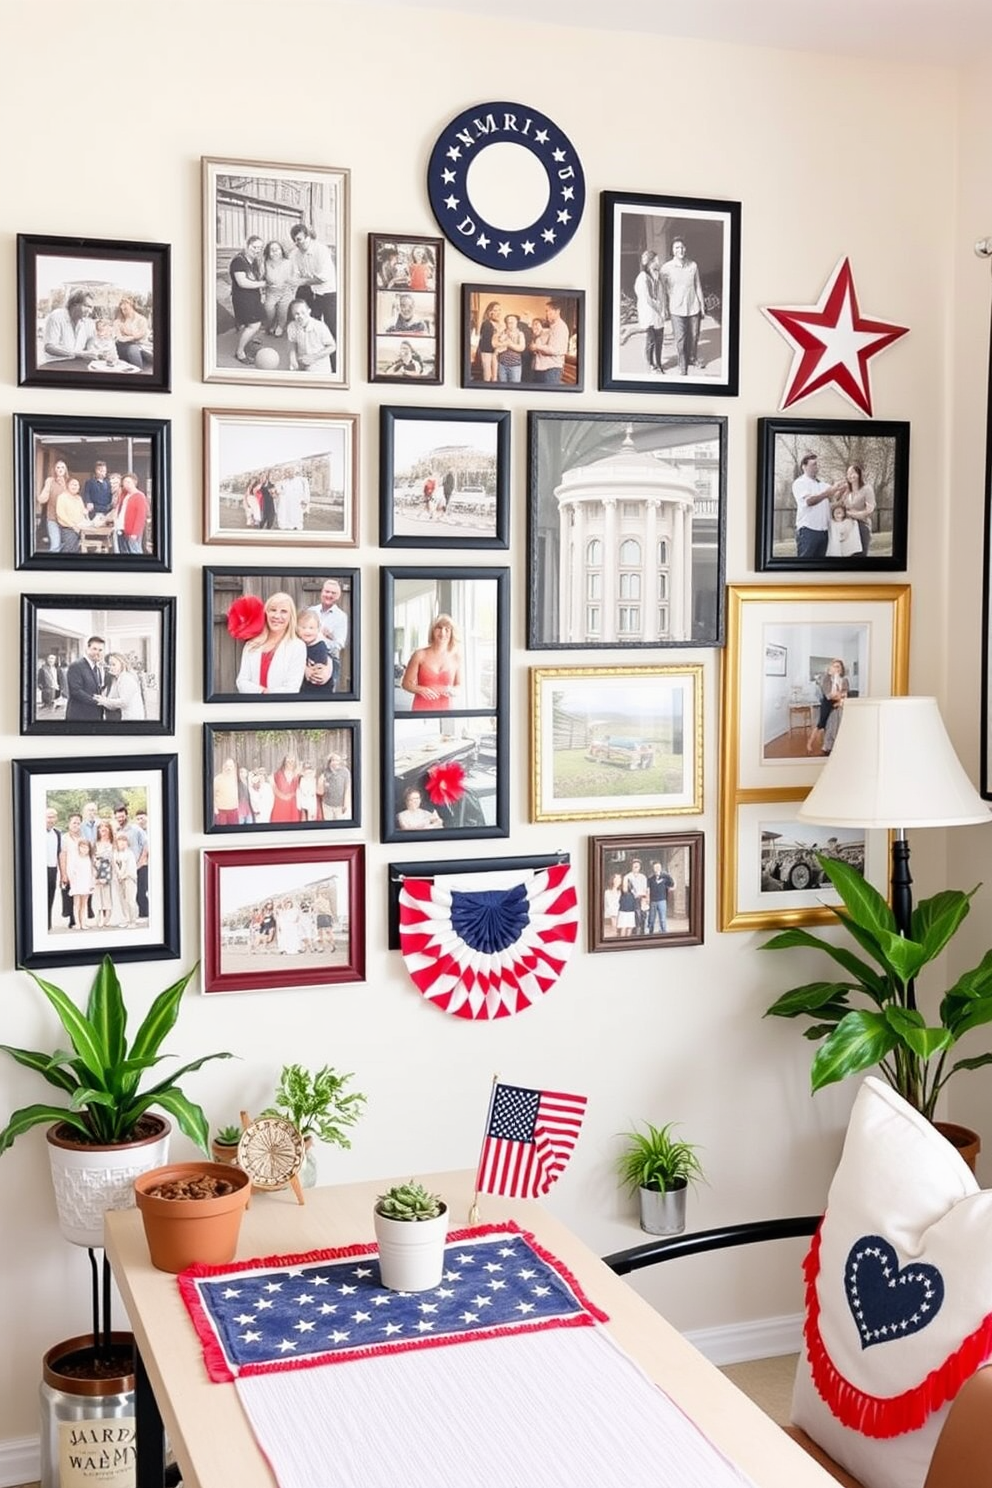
(445, 784)
(246, 618)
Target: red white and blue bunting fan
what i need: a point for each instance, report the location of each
(833, 342)
(488, 945)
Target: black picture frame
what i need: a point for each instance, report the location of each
(455, 745)
(136, 446)
(634, 478)
(880, 449)
(530, 304)
(635, 229)
(405, 264)
(56, 698)
(310, 742)
(65, 786)
(399, 871)
(449, 490)
(223, 653)
(52, 274)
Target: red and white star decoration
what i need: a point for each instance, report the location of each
(833, 342)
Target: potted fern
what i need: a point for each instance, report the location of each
(411, 1227)
(659, 1167)
(318, 1105)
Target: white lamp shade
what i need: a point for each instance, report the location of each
(892, 765)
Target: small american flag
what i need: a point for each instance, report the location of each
(528, 1141)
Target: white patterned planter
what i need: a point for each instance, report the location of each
(89, 1180)
(411, 1251)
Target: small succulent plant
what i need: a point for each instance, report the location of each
(409, 1201)
(228, 1136)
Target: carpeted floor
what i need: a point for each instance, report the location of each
(768, 1382)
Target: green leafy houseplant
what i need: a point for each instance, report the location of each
(228, 1136)
(316, 1103)
(101, 1074)
(409, 1201)
(889, 1032)
(657, 1160)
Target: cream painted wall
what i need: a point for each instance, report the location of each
(106, 111)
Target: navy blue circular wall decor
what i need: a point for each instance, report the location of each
(510, 244)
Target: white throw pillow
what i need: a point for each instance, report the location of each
(898, 1294)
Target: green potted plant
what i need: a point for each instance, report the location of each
(659, 1166)
(411, 1227)
(318, 1105)
(105, 1132)
(891, 1032)
(224, 1143)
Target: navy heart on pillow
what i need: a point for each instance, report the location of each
(887, 1302)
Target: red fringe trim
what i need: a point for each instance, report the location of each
(221, 1370)
(893, 1415)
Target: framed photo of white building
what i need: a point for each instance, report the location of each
(626, 518)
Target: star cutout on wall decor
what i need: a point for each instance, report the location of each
(833, 342)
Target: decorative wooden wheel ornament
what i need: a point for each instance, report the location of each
(271, 1152)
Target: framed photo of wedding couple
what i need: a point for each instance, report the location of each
(303, 627)
(519, 337)
(92, 494)
(301, 777)
(669, 294)
(445, 703)
(275, 274)
(444, 478)
(833, 496)
(97, 665)
(406, 308)
(646, 892)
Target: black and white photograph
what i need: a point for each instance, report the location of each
(92, 493)
(406, 308)
(669, 295)
(93, 313)
(97, 665)
(257, 778)
(626, 530)
(275, 274)
(832, 495)
(96, 859)
(444, 478)
(272, 478)
(281, 635)
(517, 336)
(790, 854)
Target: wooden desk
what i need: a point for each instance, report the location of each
(205, 1424)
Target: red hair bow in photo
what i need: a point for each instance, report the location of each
(445, 784)
(246, 617)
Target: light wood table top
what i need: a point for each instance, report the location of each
(206, 1426)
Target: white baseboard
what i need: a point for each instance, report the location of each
(20, 1461)
(737, 1344)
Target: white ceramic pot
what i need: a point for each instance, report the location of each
(411, 1251)
(89, 1180)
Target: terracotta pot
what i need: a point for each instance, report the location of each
(89, 1179)
(185, 1232)
(224, 1152)
(967, 1142)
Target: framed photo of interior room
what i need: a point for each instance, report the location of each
(833, 496)
(445, 703)
(646, 891)
(300, 777)
(92, 494)
(307, 932)
(444, 478)
(275, 274)
(615, 742)
(96, 860)
(626, 520)
(302, 628)
(406, 308)
(100, 665)
(93, 313)
(522, 337)
(669, 295)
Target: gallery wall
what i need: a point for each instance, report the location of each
(673, 1034)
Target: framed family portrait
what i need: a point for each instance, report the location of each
(275, 479)
(616, 742)
(406, 308)
(833, 495)
(304, 776)
(275, 918)
(626, 520)
(444, 478)
(93, 313)
(96, 860)
(92, 493)
(645, 891)
(669, 295)
(275, 274)
(281, 635)
(521, 337)
(445, 666)
(97, 665)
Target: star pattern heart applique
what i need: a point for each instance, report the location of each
(887, 1301)
(833, 342)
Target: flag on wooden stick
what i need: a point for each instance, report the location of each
(530, 1136)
